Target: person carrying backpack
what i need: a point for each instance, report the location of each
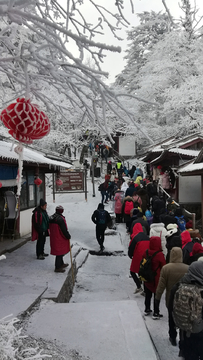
(155, 261)
(138, 244)
(186, 306)
(103, 188)
(181, 221)
(101, 218)
(170, 274)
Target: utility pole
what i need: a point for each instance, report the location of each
(94, 159)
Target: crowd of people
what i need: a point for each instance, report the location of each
(166, 252)
(166, 255)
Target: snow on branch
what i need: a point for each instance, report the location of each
(43, 52)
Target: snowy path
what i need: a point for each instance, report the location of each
(103, 312)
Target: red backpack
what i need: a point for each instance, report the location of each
(128, 206)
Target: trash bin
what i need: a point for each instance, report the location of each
(97, 172)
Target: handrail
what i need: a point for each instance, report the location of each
(120, 157)
(185, 212)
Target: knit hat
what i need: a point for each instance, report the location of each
(42, 202)
(59, 209)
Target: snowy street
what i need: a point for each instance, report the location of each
(104, 316)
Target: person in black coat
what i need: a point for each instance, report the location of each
(145, 199)
(173, 239)
(131, 171)
(144, 223)
(40, 225)
(197, 252)
(130, 190)
(109, 167)
(158, 205)
(101, 218)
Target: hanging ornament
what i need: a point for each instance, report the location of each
(37, 181)
(1, 185)
(59, 182)
(25, 121)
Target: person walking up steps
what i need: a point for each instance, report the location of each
(101, 218)
(155, 258)
(170, 274)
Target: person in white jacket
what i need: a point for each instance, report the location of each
(157, 228)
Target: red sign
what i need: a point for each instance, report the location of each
(72, 181)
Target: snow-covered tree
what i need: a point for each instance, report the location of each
(43, 49)
(169, 74)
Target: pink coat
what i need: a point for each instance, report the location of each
(119, 195)
(165, 181)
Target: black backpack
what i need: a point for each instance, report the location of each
(146, 273)
(101, 187)
(102, 217)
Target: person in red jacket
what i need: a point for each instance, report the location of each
(59, 238)
(158, 261)
(138, 244)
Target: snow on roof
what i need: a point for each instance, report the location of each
(191, 167)
(29, 155)
(173, 140)
(184, 152)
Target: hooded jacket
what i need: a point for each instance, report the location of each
(137, 246)
(158, 261)
(187, 246)
(171, 273)
(158, 229)
(197, 252)
(172, 241)
(126, 216)
(141, 221)
(118, 198)
(130, 190)
(194, 275)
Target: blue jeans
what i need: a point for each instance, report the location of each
(103, 194)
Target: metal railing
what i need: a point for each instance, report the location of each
(185, 212)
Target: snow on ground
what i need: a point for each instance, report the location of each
(103, 315)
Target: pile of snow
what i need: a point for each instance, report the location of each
(12, 343)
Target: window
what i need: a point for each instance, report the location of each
(31, 193)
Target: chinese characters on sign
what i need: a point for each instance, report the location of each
(72, 181)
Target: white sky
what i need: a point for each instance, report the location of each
(114, 62)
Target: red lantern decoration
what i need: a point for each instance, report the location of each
(1, 185)
(38, 181)
(25, 121)
(59, 182)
